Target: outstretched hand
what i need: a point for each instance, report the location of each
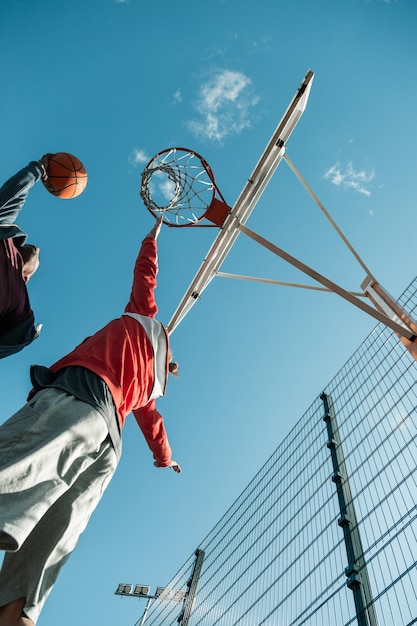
(154, 232)
(174, 466)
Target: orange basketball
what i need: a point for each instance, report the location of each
(67, 176)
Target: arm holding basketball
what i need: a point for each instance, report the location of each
(64, 175)
(14, 192)
(43, 161)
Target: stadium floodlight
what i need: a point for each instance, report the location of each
(141, 591)
(123, 590)
(179, 595)
(161, 591)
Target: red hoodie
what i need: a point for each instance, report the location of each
(123, 355)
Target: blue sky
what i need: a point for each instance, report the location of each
(115, 82)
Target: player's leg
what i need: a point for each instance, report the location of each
(43, 449)
(35, 567)
(32, 570)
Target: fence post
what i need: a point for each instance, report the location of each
(356, 570)
(192, 588)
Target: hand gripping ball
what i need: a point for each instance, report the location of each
(67, 176)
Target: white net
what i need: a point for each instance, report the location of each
(178, 185)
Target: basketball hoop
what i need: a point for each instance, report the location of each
(385, 309)
(178, 185)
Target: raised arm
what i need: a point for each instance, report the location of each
(14, 192)
(142, 296)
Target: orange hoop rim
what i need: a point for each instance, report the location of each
(184, 190)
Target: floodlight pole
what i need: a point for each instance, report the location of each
(145, 612)
(186, 596)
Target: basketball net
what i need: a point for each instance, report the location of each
(178, 185)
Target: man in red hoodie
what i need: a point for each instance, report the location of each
(52, 478)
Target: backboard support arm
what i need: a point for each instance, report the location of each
(390, 307)
(282, 283)
(398, 327)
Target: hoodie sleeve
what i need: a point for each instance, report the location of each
(152, 426)
(142, 297)
(14, 192)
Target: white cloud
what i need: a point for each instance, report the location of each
(223, 105)
(138, 157)
(178, 96)
(350, 178)
(162, 187)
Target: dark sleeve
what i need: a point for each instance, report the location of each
(142, 296)
(14, 192)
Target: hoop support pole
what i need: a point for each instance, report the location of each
(401, 330)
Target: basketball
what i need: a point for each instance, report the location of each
(67, 176)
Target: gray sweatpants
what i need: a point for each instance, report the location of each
(56, 459)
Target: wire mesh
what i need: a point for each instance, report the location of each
(277, 557)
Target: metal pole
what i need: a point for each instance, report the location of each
(347, 295)
(192, 584)
(356, 570)
(145, 612)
